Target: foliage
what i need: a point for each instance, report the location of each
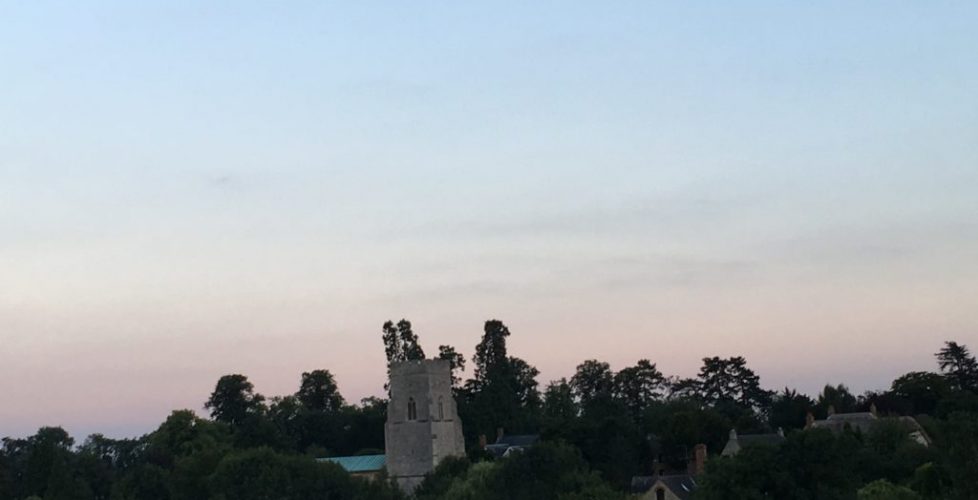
(959, 366)
(502, 393)
(639, 386)
(789, 409)
(233, 400)
(730, 386)
(881, 489)
(922, 390)
(836, 399)
(400, 343)
(593, 380)
(455, 360)
(599, 429)
(546, 471)
(318, 392)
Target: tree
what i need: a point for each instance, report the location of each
(45, 456)
(455, 360)
(401, 343)
(525, 378)
(502, 392)
(547, 471)
(881, 489)
(592, 380)
(728, 382)
(838, 398)
(959, 366)
(639, 386)
(318, 392)
(234, 399)
(261, 474)
(754, 474)
(922, 390)
(490, 359)
(687, 389)
(678, 425)
(789, 409)
(558, 401)
(961, 451)
(181, 454)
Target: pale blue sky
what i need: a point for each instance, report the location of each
(191, 190)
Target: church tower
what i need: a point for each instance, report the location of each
(422, 421)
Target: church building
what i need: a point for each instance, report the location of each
(422, 425)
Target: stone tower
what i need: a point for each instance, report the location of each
(422, 422)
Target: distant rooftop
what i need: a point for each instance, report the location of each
(681, 485)
(506, 443)
(362, 463)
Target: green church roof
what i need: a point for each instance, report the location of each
(362, 463)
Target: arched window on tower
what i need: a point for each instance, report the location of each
(412, 409)
(660, 494)
(441, 408)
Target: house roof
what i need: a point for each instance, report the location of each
(863, 421)
(504, 444)
(772, 439)
(681, 485)
(362, 463)
(737, 442)
(518, 439)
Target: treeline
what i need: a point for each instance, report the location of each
(600, 427)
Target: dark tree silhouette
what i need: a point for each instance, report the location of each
(789, 409)
(318, 392)
(921, 390)
(726, 381)
(959, 366)
(639, 386)
(400, 342)
(456, 360)
(593, 380)
(502, 392)
(836, 398)
(233, 400)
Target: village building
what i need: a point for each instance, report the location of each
(864, 422)
(737, 442)
(507, 444)
(662, 485)
(365, 466)
(422, 428)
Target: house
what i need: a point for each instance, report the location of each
(366, 466)
(667, 487)
(865, 421)
(736, 442)
(671, 486)
(507, 444)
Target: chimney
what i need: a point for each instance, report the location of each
(831, 410)
(499, 434)
(872, 408)
(733, 434)
(809, 420)
(780, 432)
(699, 459)
(482, 441)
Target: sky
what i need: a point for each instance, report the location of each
(192, 189)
